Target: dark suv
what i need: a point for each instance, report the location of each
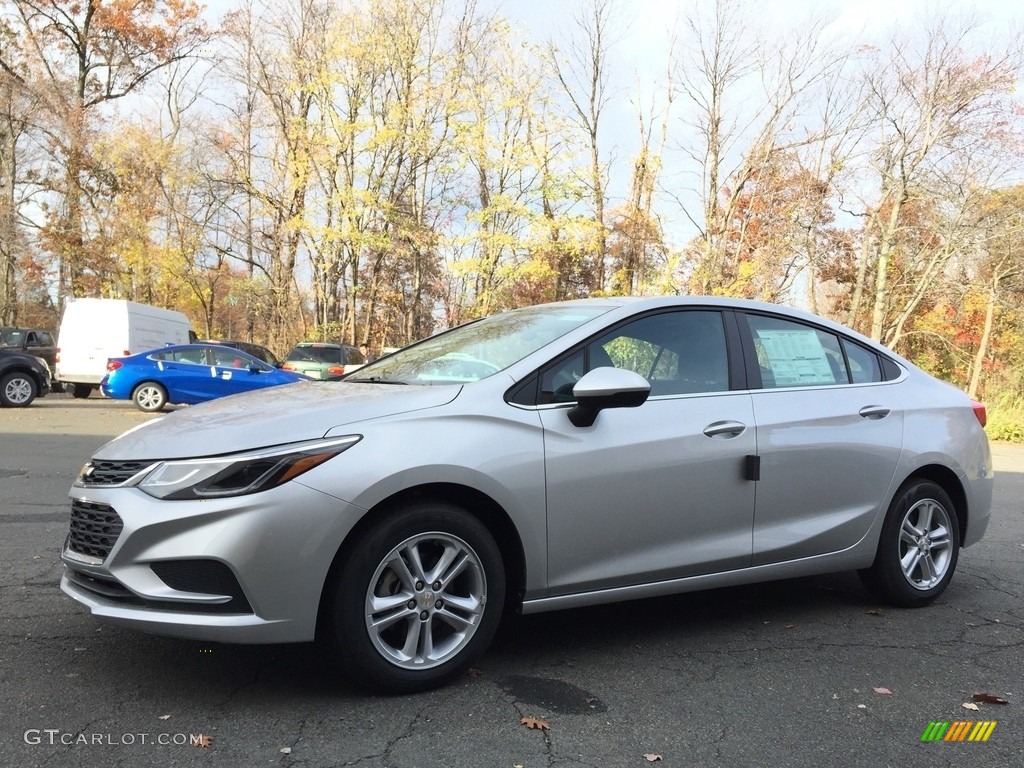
(23, 378)
(31, 341)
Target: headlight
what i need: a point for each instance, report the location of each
(240, 473)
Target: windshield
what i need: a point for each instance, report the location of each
(479, 349)
(10, 337)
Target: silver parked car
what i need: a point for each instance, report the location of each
(548, 457)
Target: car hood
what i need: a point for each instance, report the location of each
(303, 411)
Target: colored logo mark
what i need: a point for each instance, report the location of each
(960, 730)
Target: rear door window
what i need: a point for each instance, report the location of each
(792, 354)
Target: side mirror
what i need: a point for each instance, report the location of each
(606, 388)
(254, 369)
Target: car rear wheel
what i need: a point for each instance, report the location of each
(81, 391)
(17, 390)
(150, 397)
(918, 548)
(417, 600)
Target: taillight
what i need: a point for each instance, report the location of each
(113, 365)
(288, 367)
(57, 358)
(979, 412)
(336, 370)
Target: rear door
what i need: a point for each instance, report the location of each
(829, 437)
(40, 344)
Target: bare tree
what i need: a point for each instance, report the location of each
(938, 108)
(84, 55)
(582, 69)
(747, 102)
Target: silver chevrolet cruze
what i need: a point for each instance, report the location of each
(549, 457)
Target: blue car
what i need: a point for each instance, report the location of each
(188, 374)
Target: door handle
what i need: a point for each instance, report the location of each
(725, 429)
(874, 412)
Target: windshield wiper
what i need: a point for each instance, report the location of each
(374, 380)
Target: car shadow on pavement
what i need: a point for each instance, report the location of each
(201, 670)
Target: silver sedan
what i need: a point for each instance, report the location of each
(549, 457)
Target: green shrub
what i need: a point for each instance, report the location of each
(1006, 419)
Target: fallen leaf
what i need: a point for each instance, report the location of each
(651, 757)
(883, 691)
(165, 717)
(972, 707)
(988, 698)
(873, 612)
(473, 673)
(536, 723)
(286, 750)
(202, 741)
(862, 706)
(790, 626)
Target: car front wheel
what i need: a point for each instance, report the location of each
(17, 390)
(416, 600)
(150, 397)
(918, 548)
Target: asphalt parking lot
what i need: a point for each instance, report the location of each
(806, 672)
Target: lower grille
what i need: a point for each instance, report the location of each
(105, 588)
(208, 577)
(113, 591)
(94, 529)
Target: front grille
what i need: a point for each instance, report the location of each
(99, 472)
(94, 529)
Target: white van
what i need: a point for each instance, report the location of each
(93, 330)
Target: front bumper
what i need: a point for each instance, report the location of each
(248, 569)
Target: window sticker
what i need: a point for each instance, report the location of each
(796, 357)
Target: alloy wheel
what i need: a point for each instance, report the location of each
(425, 600)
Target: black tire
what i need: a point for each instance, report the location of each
(17, 390)
(412, 609)
(81, 391)
(918, 547)
(149, 397)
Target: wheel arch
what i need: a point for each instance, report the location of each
(475, 502)
(143, 382)
(22, 369)
(948, 481)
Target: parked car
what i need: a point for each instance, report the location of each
(23, 378)
(548, 457)
(256, 350)
(35, 342)
(188, 374)
(320, 360)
